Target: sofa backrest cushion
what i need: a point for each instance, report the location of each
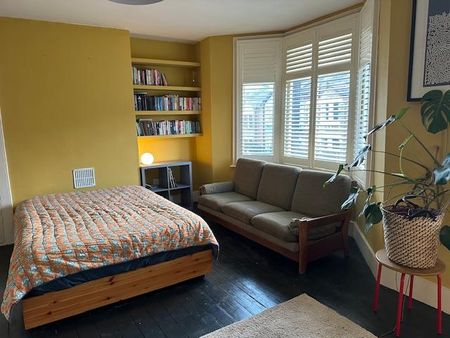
(247, 176)
(313, 199)
(277, 185)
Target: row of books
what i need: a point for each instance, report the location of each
(144, 102)
(149, 127)
(148, 77)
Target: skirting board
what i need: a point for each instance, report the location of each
(424, 290)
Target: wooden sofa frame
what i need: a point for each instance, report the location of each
(52, 306)
(309, 250)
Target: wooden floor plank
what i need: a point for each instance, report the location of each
(246, 279)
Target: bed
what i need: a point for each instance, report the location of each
(78, 251)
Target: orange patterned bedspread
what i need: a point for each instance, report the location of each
(61, 234)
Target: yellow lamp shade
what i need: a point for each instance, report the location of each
(147, 159)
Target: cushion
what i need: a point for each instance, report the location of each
(277, 185)
(217, 201)
(282, 225)
(313, 199)
(215, 188)
(245, 211)
(247, 175)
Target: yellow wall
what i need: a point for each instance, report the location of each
(65, 98)
(214, 148)
(392, 80)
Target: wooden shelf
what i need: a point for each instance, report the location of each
(166, 112)
(175, 63)
(167, 88)
(170, 136)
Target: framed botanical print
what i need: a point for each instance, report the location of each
(429, 63)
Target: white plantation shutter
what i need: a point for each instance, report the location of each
(332, 109)
(296, 118)
(335, 51)
(257, 117)
(297, 99)
(299, 59)
(364, 86)
(332, 113)
(257, 80)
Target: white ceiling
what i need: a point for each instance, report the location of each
(189, 20)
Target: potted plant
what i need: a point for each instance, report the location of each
(412, 224)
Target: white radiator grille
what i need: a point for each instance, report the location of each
(83, 178)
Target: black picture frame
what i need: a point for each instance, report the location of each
(413, 83)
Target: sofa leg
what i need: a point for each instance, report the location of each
(302, 267)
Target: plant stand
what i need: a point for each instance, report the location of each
(437, 271)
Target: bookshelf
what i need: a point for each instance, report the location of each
(166, 112)
(170, 136)
(166, 88)
(156, 177)
(175, 63)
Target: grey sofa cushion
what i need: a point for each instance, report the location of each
(245, 211)
(215, 188)
(247, 176)
(277, 185)
(282, 225)
(217, 201)
(312, 199)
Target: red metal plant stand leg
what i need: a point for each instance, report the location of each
(439, 304)
(411, 285)
(399, 306)
(377, 289)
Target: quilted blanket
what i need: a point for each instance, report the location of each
(61, 234)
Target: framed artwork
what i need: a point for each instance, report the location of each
(429, 61)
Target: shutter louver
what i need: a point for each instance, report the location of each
(335, 51)
(257, 119)
(332, 113)
(299, 59)
(296, 118)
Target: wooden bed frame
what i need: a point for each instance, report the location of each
(57, 305)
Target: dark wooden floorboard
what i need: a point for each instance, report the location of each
(246, 279)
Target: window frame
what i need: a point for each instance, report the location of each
(339, 26)
(237, 99)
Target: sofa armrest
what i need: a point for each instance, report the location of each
(341, 217)
(215, 188)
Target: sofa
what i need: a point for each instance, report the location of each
(285, 208)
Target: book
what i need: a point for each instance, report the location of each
(148, 77)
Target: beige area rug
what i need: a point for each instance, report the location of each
(301, 316)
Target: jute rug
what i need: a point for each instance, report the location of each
(302, 317)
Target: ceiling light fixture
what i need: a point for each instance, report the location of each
(136, 2)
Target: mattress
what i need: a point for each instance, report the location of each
(61, 235)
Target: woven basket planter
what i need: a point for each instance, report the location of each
(411, 242)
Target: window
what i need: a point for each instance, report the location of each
(257, 119)
(257, 79)
(365, 80)
(309, 104)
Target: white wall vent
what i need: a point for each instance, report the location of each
(83, 178)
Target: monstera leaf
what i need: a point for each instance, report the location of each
(436, 110)
(444, 236)
(334, 176)
(351, 199)
(372, 213)
(389, 121)
(442, 173)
